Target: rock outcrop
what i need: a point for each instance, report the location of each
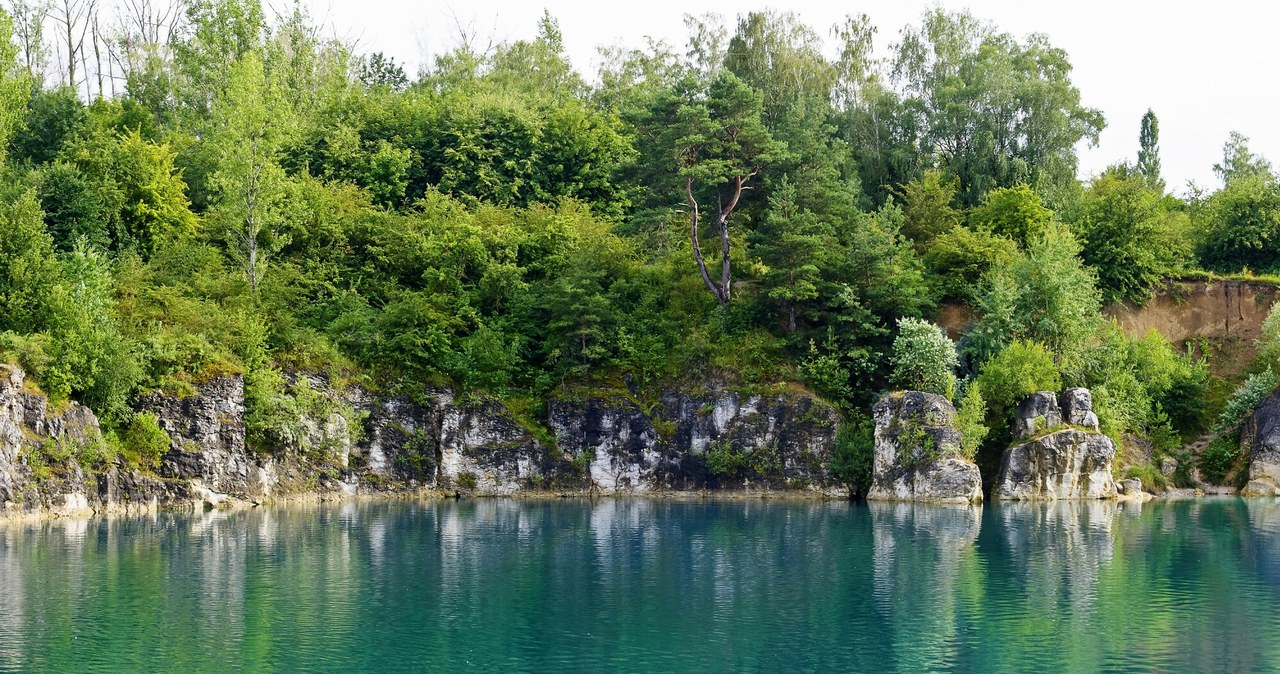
(918, 452)
(720, 439)
(53, 458)
(1260, 441)
(1056, 461)
(341, 440)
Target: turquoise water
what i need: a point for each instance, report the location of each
(648, 585)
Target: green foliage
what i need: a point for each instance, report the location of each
(28, 269)
(1240, 226)
(725, 461)
(1045, 296)
(991, 109)
(1014, 213)
(962, 256)
(853, 456)
(927, 210)
(1153, 482)
(1149, 151)
(1219, 458)
(1268, 343)
(791, 242)
(144, 443)
(1129, 237)
(262, 201)
(924, 358)
(971, 415)
(1245, 398)
(1017, 371)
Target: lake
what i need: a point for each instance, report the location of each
(649, 585)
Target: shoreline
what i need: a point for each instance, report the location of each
(16, 515)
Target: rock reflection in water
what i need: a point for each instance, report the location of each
(913, 542)
(649, 585)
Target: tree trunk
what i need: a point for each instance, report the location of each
(721, 296)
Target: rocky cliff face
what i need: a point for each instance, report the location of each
(717, 440)
(52, 458)
(344, 440)
(917, 452)
(1063, 455)
(1260, 441)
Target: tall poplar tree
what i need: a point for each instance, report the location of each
(1149, 150)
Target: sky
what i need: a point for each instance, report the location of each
(1205, 68)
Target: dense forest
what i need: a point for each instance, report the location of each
(204, 189)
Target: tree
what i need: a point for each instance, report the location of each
(28, 268)
(1129, 237)
(962, 256)
(1149, 151)
(15, 89)
(990, 109)
(1012, 212)
(28, 33)
(1239, 162)
(250, 122)
(1046, 295)
(1241, 224)
(1017, 371)
(380, 70)
(924, 358)
(926, 207)
(791, 242)
(720, 144)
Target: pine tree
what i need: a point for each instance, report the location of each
(1149, 150)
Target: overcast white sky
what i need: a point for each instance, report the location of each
(1206, 68)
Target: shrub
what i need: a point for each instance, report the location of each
(971, 417)
(1269, 343)
(724, 460)
(852, 458)
(1152, 480)
(144, 441)
(1019, 370)
(962, 256)
(1219, 457)
(923, 357)
(1014, 212)
(1245, 399)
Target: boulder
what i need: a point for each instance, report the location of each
(1260, 441)
(1077, 408)
(917, 452)
(1065, 464)
(1168, 466)
(1038, 412)
(1129, 487)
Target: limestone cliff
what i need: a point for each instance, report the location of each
(918, 453)
(1061, 454)
(1260, 443)
(343, 440)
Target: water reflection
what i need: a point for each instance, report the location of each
(649, 585)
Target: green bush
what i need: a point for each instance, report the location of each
(971, 417)
(1019, 370)
(144, 442)
(1245, 399)
(924, 358)
(726, 461)
(853, 456)
(961, 257)
(1219, 458)
(1152, 480)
